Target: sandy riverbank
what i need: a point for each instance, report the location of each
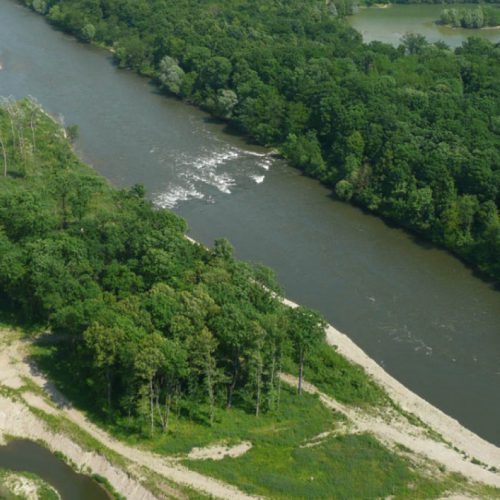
(449, 445)
(458, 447)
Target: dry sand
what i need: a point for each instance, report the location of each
(218, 452)
(399, 430)
(455, 451)
(16, 419)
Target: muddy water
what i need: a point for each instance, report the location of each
(391, 23)
(27, 456)
(415, 309)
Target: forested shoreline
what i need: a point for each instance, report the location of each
(408, 133)
(173, 346)
(151, 323)
(471, 18)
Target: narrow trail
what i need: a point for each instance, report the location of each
(451, 431)
(449, 444)
(16, 419)
(392, 429)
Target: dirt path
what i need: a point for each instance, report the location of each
(449, 428)
(463, 446)
(392, 429)
(16, 419)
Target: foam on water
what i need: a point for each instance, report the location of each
(206, 170)
(175, 194)
(223, 182)
(214, 160)
(266, 163)
(404, 335)
(254, 153)
(258, 178)
(198, 175)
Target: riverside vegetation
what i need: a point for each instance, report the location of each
(171, 345)
(409, 133)
(472, 18)
(20, 485)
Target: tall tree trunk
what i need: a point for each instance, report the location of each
(163, 413)
(259, 382)
(177, 399)
(4, 153)
(20, 140)
(32, 126)
(158, 406)
(210, 386)
(151, 406)
(278, 375)
(301, 370)
(108, 380)
(10, 112)
(271, 378)
(232, 385)
(168, 404)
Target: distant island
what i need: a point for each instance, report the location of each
(471, 17)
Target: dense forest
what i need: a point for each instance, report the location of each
(174, 346)
(439, 1)
(410, 133)
(472, 18)
(149, 323)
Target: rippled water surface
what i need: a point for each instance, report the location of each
(415, 309)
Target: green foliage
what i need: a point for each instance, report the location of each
(410, 133)
(337, 377)
(474, 18)
(171, 75)
(173, 345)
(344, 190)
(88, 33)
(73, 132)
(107, 486)
(352, 466)
(154, 325)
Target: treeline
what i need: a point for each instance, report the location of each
(477, 17)
(409, 133)
(371, 2)
(150, 323)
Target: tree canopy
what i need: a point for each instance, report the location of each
(151, 323)
(410, 133)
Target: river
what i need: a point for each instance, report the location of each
(415, 309)
(391, 23)
(23, 455)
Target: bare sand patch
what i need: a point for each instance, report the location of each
(219, 451)
(398, 431)
(16, 419)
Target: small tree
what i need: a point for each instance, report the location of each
(147, 363)
(105, 344)
(72, 131)
(88, 33)
(307, 330)
(202, 347)
(171, 74)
